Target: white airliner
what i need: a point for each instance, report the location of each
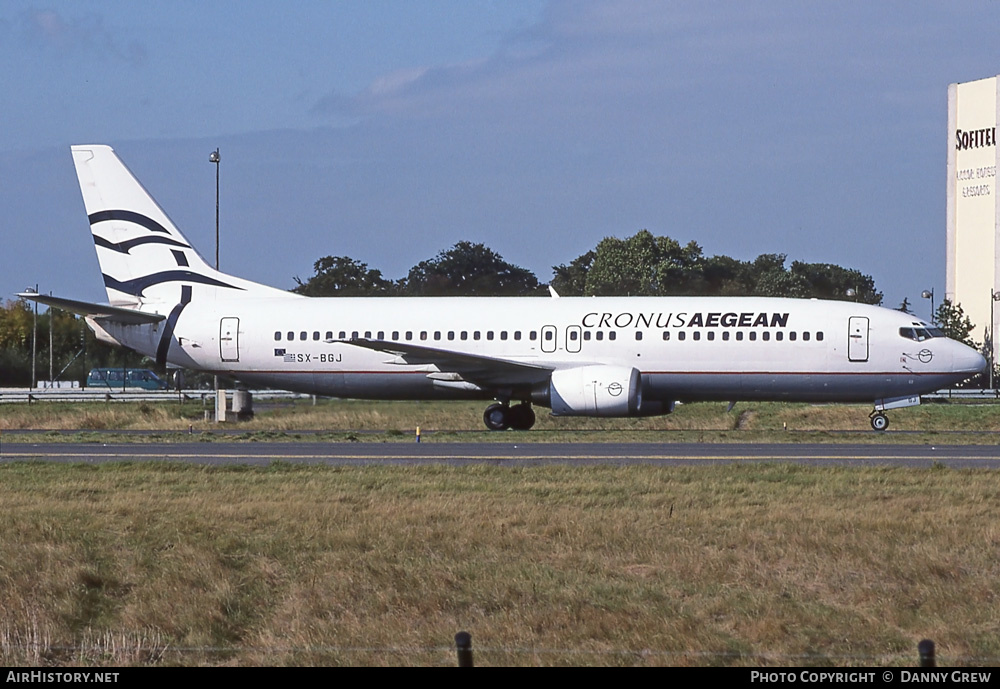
(578, 356)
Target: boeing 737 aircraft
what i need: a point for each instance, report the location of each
(578, 356)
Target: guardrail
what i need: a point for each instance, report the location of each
(30, 395)
(963, 394)
(93, 394)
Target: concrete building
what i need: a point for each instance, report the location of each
(973, 220)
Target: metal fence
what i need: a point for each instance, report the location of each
(30, 395)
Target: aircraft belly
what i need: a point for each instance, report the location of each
(358, 385)
(797, 387)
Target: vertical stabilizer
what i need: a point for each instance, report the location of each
(143, 256)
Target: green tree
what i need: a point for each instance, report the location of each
(828, 281)
(341, 276)
(469, 269)
(571, 280)
(645, 265)
(955, 324)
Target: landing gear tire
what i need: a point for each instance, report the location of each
(880, 422)
(521, 417)
(497, 417)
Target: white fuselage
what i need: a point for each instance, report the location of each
(685, 348)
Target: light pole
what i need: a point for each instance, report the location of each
(34, 334)
(220, 410)
(214, 158)
(994, 297)
(929, 294)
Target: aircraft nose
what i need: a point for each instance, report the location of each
(968, 360)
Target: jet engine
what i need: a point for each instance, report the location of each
(595, 391)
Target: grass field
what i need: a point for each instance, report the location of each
(165, 564)
(448, 421)
(731, 565)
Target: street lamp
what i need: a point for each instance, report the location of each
(214, 158)
(929, 294)
(34, 334)
(994, 297)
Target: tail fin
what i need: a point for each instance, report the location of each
(143, 256)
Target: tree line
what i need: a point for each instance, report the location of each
(640, 265)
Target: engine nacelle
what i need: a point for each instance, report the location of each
(595, 391)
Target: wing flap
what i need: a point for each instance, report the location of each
(458, 366)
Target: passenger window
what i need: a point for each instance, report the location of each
(277, 336)
(710, 335)
(303, 335)
(548, 335)
(465, 335)
(368, 334)
(725, 335)
(805, 336)
(451, 334)
(638, 335)
(792, 335)
(423, 334)
(489, 334)
(532, 336)
(739, 336)
(753, 336)
(599, 335)
(475, 335)
(819, 336)
(329, 334)
(503, 334)
(612, 335)
(316, 335)
(291, 336)
(666, 335)
(681, 335)
(696, 335)
(381, 334)
(437, 334)
(395, 334)
(586, 335)
(409, 334)
(779, 336)
(766, 336)
(343, 335)
(517, 334)
(572, 335)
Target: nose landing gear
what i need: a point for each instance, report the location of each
(880, 421)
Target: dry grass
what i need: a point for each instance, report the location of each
(743, 564)
(704, 422)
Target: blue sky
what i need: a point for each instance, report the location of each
(389, 130)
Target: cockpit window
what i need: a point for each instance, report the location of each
(920, 334)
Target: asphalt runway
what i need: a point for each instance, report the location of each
(525, 454)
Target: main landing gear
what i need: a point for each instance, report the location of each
(501, 416)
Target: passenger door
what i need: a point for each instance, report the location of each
(857, 338)
(229, 342)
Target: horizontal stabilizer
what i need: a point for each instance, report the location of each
(98, 311)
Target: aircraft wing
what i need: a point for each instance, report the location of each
(485, 371)
(98, 311)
